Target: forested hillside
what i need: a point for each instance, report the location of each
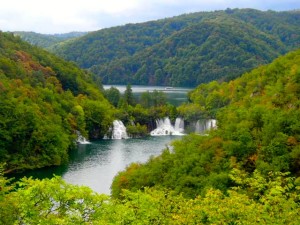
(244, 172)
(44, 101)
(258, 132)
(47, 40)
(186, 50)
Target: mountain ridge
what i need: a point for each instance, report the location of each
(47, 40)
(121, 54)
(117, 55)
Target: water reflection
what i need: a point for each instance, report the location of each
(96, 164)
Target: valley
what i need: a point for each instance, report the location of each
(192, 119)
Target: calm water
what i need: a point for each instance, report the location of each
(96, 164)
(175, 96)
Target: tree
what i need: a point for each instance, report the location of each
(113, 95)
(51, 202)
(128, 96)
(153, 99)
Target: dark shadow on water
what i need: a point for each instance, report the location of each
(46, 172)
(75, 155)
(96, 164)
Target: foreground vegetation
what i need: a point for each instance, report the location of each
(256, 199)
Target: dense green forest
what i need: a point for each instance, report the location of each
(258, 130)
(47, 40)
(244, 172)
(186, 50)
(44, 101)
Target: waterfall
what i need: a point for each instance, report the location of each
(119, 130)
(80, 139)
(198, 127)
(164, 127)
(179, 125)
(212, 124)
(205, 125)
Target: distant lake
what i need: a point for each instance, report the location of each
(175, 95)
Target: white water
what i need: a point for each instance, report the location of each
(205, 125)
(164, 127)
(81, 140)
(119, 130)
(179, 125)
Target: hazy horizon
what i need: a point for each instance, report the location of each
(63, 16)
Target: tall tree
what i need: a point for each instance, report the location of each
(128, 95)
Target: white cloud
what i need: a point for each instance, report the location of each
(50, 16)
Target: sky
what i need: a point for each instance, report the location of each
(62, 16)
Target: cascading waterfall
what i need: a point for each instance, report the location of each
(119, 130)
(213, 124)
(179, 125)
(205, 125)
(164, 127)
(80, 139)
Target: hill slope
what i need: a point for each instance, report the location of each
(44, 101)
(259, 129)
(200, 53)
(186, 50)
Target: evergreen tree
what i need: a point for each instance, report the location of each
(128, 96)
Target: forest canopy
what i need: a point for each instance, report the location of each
(44, 102)
(186, 50)
(258, 129)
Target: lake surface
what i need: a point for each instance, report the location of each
(96, 164)
(174, 95)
